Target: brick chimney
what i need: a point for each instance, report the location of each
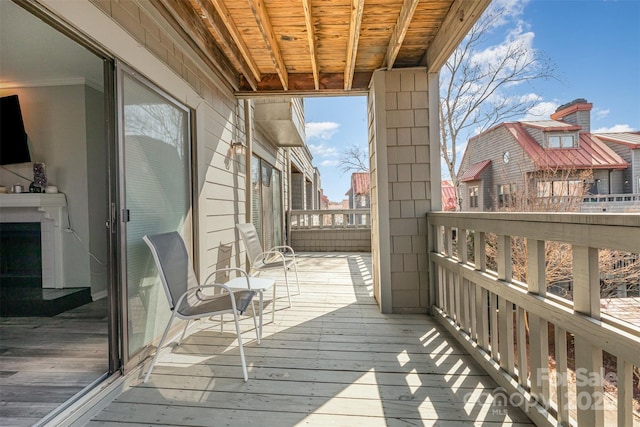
(576, 112)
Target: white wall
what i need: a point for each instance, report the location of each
(55, 118)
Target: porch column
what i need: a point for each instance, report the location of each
(405, 172)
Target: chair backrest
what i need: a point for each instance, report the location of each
(251, 241)
(172, 261)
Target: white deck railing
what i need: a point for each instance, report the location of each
(330, 219)
(505, 323)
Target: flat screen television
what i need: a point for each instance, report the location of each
(13, 138)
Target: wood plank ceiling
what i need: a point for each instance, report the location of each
(320, 46)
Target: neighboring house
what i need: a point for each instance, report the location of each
(448, 196)
(359, 192)
(627, 146)
(545, 160)
(359, 195)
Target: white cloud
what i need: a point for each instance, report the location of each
(600, 113)
(615, 128)
(321, 130)
(541, 111)
(329, 163)
(322, 150)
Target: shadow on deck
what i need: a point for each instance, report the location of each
(331, 359)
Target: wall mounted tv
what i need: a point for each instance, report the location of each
(13, 138)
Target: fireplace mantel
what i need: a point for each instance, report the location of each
(48, 210)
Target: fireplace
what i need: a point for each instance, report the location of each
(35, 216)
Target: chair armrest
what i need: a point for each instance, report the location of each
(240, 270)
(286, 248)
(197, 289)
(264, 254)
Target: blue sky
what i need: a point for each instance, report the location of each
(594, 44)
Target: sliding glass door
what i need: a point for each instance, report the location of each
(155, 197)
(266, 202)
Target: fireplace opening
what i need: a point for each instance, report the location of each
(21, 255)
(21, 290)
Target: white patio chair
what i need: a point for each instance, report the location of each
(273, 258)
(185, 296)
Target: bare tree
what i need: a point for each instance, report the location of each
(481, 87)
(354, 159)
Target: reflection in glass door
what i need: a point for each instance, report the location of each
(155, 198)
(267, 202)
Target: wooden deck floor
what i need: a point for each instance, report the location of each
(331, 359)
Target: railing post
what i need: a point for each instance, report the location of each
(586, 300)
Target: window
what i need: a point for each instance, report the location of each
(505, 194)
(572, 188)
(561, 141)
(473, 196)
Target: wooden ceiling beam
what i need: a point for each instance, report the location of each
(225, 16)
(311, 36)
(355, 22)
(222, 31)
(461, 17)
(400, 31)
(305, 82)
(264, 24)
(184, 19)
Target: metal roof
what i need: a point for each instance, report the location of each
(360, 182)
(448, 196)
(591, 153)
(631, 139)
(473, 173)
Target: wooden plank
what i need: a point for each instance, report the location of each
(521, 341)
(225, 16)
(539, 358)
(311, 38)
(355, 22)
(400, 31)
(505, 335)
(264, 24)
(461, 17)
(223, 34)
(625, 393)
(562, 390)
(589, 389)
(493, 326)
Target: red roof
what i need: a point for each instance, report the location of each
(359, 183)
(448, 196)
(591, 153)
(474, 171)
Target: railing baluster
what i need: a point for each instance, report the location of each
(625, 393)
(522, 348)
(482, 317)
(586, 300)
(493, 325)
(505, 325)
(463, 258)
(538, 328)
(562, 391)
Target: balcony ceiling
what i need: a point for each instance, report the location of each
(320, 46)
